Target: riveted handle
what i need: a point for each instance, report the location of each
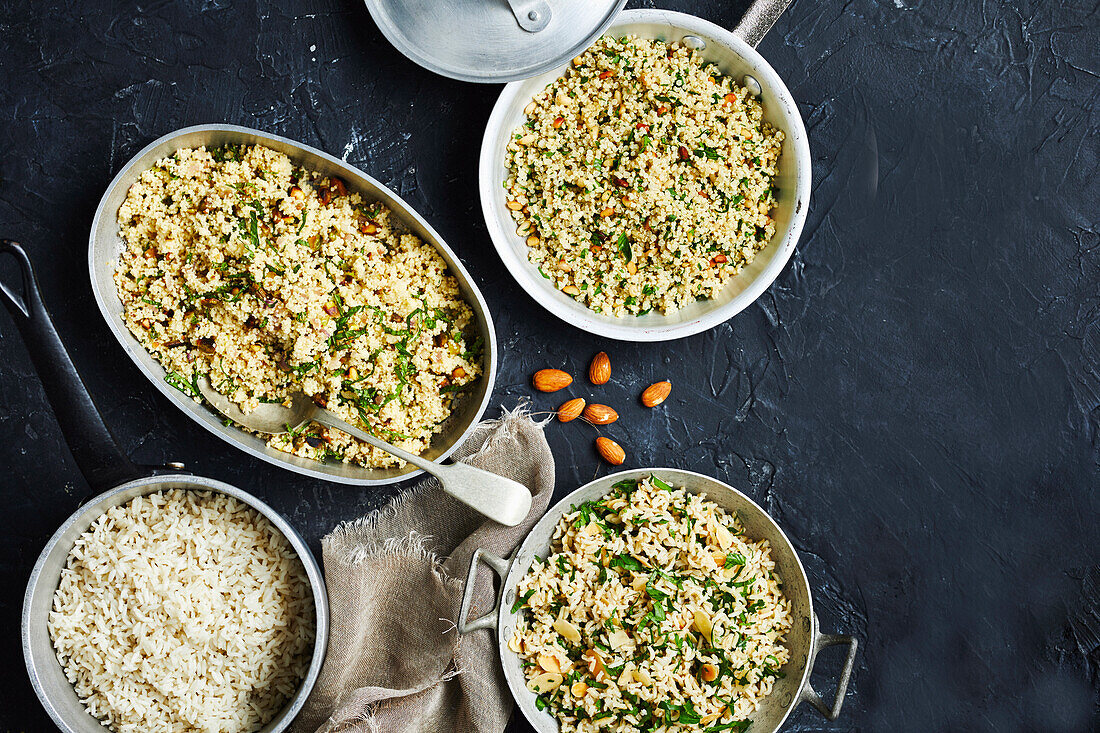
(759, 19)
(489, 620)
(94, 449)
(532, 15)
(820, 642)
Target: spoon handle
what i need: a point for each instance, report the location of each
(500, 499)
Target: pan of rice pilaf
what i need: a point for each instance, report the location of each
(272, 268)
(655, 186)
(655, 600)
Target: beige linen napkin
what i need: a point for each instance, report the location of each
(396, 663)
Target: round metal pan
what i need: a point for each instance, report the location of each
(109, 471)
(804, 639)
(735, 55)
(105, 246)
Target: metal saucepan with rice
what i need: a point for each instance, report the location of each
(656, 598)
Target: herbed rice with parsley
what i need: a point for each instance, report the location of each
(642, 178)
(270, 279)
(652, 612)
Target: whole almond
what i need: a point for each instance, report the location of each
(600, 414)
(657, 393)
(551, 380)
(571, 410)
(599, 371)
(610, 451)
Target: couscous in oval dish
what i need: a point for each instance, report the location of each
(269, 279)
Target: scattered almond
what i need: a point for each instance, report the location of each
(599, 371)
(568, 631)
(701, 623)
(722, 536)
(571, 410)
(595, 664)
(610, 451)
(600, 414)
(656, 393)
(551, 380)
(545, 682)
(578, 689)
(549, 663)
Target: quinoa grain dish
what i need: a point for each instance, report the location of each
(642, 178)
(652, 613)
(269, 280)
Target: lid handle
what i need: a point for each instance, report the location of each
(532, 15)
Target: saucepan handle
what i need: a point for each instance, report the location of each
(759, 19)
(820, 642)
(489, 620)
(95, 451)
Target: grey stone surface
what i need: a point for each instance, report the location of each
(916, 400)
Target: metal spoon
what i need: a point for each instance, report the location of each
(501, 499)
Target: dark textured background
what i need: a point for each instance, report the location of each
(916, 400)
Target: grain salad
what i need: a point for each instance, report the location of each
(183, 611)
(269, 280)
(652, 611)
(642, 179)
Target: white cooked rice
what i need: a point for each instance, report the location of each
(183, 611)
(652, 613)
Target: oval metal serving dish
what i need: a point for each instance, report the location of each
(48, 678)
(105, 247)
(736, 58)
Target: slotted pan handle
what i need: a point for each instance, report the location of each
(759, 19)
(94, 449)
(489, 620)
(809, 695)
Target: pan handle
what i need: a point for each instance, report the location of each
(94, 449)
(820, 642)
(489, 620)
(759, 19)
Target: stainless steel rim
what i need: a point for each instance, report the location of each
(105, 297)
(99, 504)
(650, 328)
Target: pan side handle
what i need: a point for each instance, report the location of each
(809, 695)
(489, 620)
(759, 19)
(94, 449)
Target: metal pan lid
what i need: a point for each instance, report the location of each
(492, 41)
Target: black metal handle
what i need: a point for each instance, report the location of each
(97, 454)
